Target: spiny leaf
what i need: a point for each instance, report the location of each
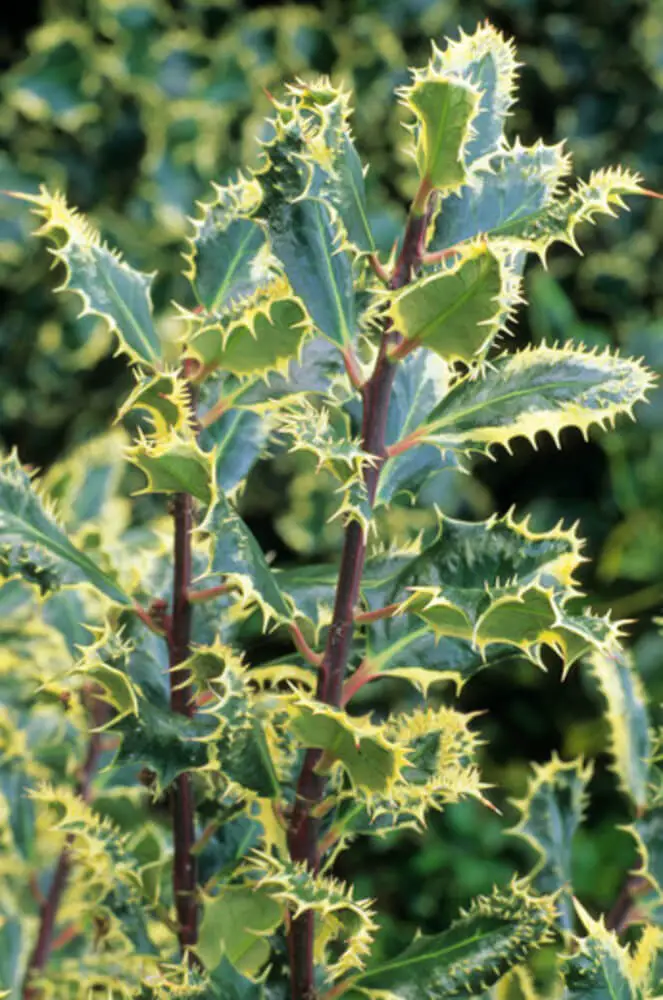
(174, 464)
(239, 742)
(495, 934)
(486, 60)
(237, 556)
(348, 192)
(333, 151)
(306, 236)
(264, 338)
(236, 440)
(541, 389)
(444, 106)
(550, 813)
(27, 522)
(326, 433)
(166, 400)
(340, 919)
(457, 311)
(602, 967)
(520, 182)
(372, 761)
(628, 719)
(421, 381)
(441, 762)
(556, 221)
(166, 742)
(227, 257)
(492, 583)
(400, 647)
(536, 618)
(98, 844)
(108, 286)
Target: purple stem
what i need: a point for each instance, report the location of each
(303, 834)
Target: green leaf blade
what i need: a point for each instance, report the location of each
(444, 109)
(457, 312)
(25, 521)
(107, 285)
(550, 814)
(474, 953)
(542, 389)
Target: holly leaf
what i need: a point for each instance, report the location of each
(541, 389)
(108, 286)
(237, 557)
(628, 720)
(550, 814)
(495, 934)
(31, 537)
(457, 311)
(444, 107)
(174, 464)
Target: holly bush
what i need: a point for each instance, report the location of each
(184, 762)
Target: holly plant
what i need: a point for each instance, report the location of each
(190, 735)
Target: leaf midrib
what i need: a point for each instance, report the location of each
(121, 305)
(231, 270)
(441, 953)
(493, 401)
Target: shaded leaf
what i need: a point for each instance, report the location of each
(550, 813)
(108, 286)
(495, 934)
(628, 720)
(26, 522)
(235, 923)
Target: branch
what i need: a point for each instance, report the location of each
(315, 659)
(185, 869)
(50, 904)
(209, 594)
(303, 834)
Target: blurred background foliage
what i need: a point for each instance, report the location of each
(132, 106)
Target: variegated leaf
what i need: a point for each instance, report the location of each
(373, 762)
(237, 557)
(421, 379)
(628, 720)
(550, 813)
(175, 464)
(444, 106)
(521, 181)
(306, 235)
(495, 934)
(536, 390)
(486, 60)
(457, 311)
(228, 256)
(344, 926)
(107, 285)
(32, 541)
(602, 967)
(262, 338)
